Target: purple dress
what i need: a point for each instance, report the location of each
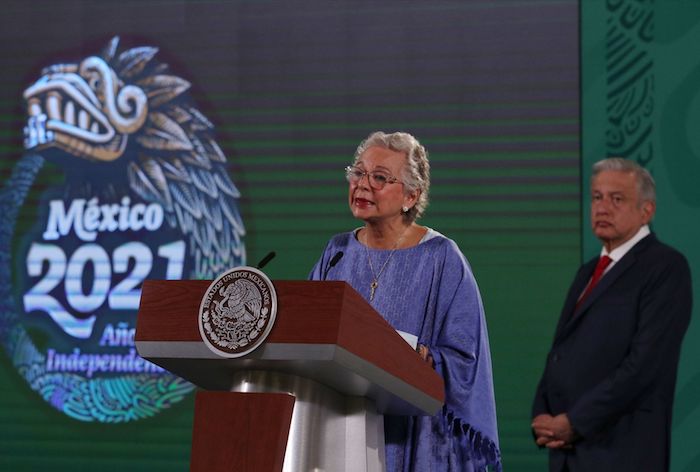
(429, 290)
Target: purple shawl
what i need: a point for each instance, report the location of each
(429, 290)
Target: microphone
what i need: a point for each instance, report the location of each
(263, 262)
(337, 257)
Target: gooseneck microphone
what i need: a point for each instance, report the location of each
(263, 262)
(334, 260)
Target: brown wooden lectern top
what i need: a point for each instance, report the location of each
(324, 331)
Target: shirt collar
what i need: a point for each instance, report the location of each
(617, 253)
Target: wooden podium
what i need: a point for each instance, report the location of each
(310, 398)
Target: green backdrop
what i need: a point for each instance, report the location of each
(640, 100)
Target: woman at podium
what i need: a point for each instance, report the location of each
(421, 283)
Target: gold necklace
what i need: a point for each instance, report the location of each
(375, 282)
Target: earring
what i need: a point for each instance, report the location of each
(405, 209)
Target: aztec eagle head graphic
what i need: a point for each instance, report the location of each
(121, 180)
(129, 118)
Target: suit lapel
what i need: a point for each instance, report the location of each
(579, 283)
(604, 284)
(571, 315)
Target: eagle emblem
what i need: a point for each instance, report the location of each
(237, 312)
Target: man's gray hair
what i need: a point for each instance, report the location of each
(645, 182)
(416, 174)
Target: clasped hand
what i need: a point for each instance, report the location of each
(554, 432)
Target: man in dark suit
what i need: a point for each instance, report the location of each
(604, 401)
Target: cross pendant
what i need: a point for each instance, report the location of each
(372, 288)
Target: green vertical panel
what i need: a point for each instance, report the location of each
(677, 173)
(640, 100)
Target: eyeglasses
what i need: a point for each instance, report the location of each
(377, 179)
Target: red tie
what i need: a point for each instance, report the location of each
(603, 262)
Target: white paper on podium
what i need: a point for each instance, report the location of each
(411, 339)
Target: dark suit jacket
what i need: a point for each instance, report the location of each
(612, 366)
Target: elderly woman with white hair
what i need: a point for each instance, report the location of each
(421, 283)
